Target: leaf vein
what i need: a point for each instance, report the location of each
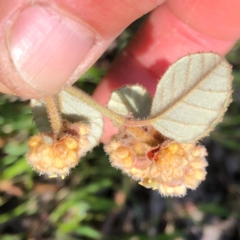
(184, 123)
(177, 101)
(212, 91)
(203, 108)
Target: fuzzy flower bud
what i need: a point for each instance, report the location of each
(56, 156)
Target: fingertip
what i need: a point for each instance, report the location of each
(4, 89)
(108, 131)
(102, 96)
(47, 45)
(220, 21)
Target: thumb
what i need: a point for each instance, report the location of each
(48, 44)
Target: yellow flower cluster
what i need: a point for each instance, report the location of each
(170, 168)
(56, 156)
(176, 167)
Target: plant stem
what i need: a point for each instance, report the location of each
(83, 97)
(54, 115)
(121, 120)
(132, 126)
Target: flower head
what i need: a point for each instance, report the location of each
(170, 167)
(56, 156)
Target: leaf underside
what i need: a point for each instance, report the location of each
(192, 97)
(133, 100)
(75, 110)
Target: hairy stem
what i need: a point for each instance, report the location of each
(54, 115)
(121, 120)
(132, 126)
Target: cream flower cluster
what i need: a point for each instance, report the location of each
(56, 156)
(170, 167)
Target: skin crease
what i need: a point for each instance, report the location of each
(174, 29)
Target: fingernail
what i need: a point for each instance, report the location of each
(46, 47)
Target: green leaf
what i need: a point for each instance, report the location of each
(88, 232)
(95, 187)
(19, 167)
(192, 97)
(215, 209)
(131, 100)
(75, 110)
(15, 148)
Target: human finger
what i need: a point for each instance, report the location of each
(47, 45)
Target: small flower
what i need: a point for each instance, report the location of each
(56, 156)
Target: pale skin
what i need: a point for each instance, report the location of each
(39, 62)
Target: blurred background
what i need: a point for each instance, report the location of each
(97, 201)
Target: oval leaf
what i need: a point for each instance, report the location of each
(133, 100)
(192, 97)
(75, 110)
